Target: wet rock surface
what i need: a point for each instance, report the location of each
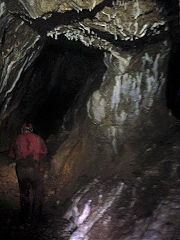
(144, 206)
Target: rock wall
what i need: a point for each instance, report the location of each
(18, 50)
(122, 212)
(132, 87)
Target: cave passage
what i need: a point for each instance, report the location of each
(56, 81)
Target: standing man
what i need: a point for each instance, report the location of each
(28, 151)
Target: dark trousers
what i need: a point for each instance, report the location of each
(29, 177)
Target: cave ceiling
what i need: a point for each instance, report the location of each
(103, 24)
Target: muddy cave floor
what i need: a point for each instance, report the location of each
(164, 154)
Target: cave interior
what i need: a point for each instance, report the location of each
(53, 91)
(54, 84)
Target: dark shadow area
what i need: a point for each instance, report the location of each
(63, 76)
(173, 80)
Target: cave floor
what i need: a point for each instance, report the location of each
(164, 154)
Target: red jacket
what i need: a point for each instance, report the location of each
(28, 144)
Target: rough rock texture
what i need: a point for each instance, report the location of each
(17, 51)
(113, 121)
(122, 213)
(37, 8)
(124, 20)
(131, 87)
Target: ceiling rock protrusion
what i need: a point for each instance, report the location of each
(98, 23)
(37, 8)
(119, 25)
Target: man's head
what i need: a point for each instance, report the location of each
(27, 127)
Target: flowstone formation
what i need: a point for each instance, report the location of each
(118, 111)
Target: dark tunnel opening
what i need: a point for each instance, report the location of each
(64, 73)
